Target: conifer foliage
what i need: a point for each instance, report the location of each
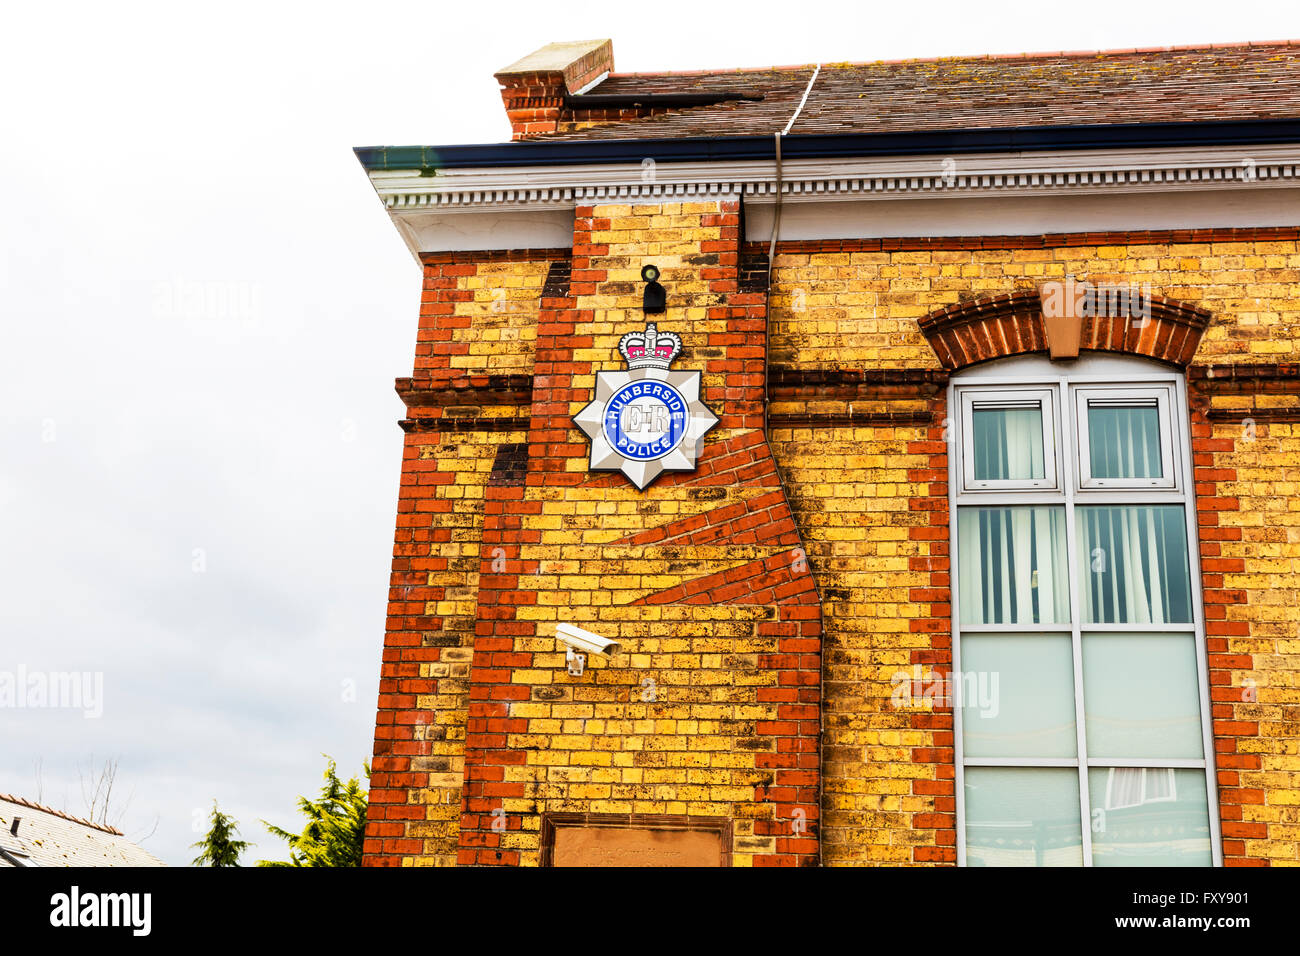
(219, 847)
(336, 824)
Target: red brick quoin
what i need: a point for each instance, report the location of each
(735, 455)
(936, 621)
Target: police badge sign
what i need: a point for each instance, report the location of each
(646, 420)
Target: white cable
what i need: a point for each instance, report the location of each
(776, 215)
(799, 109)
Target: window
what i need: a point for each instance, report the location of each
(1082, 716)
(1125, 438)
(1012, 438)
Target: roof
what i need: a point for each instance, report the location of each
(1253, 81)
(49, 837)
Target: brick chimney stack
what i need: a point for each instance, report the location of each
(534, 88)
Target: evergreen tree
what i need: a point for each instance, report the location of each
(336, 825)
(219, 847)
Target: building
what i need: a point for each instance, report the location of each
(36, 835)
(978, 540)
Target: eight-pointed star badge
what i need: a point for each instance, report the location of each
(646, 420)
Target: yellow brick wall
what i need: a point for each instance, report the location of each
(1254, 547)
(849, 488)
(859, 309)
(468, 457)
(667, 728)
(419, 762)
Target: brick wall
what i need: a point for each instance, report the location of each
(457, 451)
(720, 584)
(1247, 475)
(478, 311)
(872, 506)
(859, 494)
(856, 304)
(712, 708)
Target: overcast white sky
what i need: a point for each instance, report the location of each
(203, 308)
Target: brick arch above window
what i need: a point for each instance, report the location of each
(999, 326)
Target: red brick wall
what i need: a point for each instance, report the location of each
(935, 621)
(447, 474)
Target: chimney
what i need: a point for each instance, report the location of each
(533, 89)
(13, 828)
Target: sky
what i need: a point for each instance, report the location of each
(203, 307)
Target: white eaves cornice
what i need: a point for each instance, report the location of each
(1026, 173)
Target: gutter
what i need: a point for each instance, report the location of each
(549, 152)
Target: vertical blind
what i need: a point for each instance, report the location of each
(1012, 564)
(1133, 566)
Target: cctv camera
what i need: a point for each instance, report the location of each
(580, 640)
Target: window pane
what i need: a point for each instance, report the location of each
(1008, 443)
(1124, 442)
(1023, 817)
(1140, 694)
(1012, 565)
(1017, 695)
(1133, 567)
(1149, 817)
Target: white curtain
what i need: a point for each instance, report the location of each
(1134, 786)
(1123, 787)
(971, 541)
(1008, 443)
(1024, 442)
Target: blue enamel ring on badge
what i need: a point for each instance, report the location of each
(663, 396)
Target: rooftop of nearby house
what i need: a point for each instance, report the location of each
(569, 91)
(36, 835)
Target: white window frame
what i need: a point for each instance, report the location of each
(1128, 395)
(1092, 371)
(1010, 398)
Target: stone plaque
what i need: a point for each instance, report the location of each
(640, 841)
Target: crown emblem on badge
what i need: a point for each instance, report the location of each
(650, 349)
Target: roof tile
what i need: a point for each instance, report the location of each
(1218, 82)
